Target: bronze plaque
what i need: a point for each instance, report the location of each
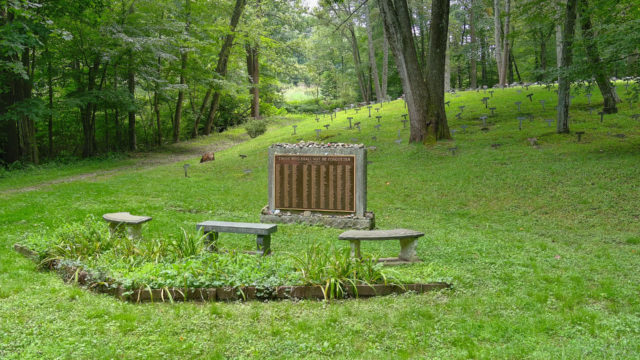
(315, 182)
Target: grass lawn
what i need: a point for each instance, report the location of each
(542, 245)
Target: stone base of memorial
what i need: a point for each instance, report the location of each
(318, 184)
(338, 221)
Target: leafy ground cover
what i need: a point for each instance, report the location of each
(541, 243)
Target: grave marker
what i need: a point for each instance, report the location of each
(377, 127)
(378, 117)
(350, 118)
(326, 126)
(549, 121)
(485, 101)
(579, 133)
(459, 116)
(589, 98)
(492, 110)
(530, 96)
(484, 120)
(464, 128)
(542, 102)
(453, 150)
(520, 119)
(461, 108)
(518, 103)
(491, 92)
(318, 133)
(186, 167)
(447, 103)
(601, 113)
(294, 129)
(369, 108)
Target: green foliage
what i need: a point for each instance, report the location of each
(256, 127)
(336, 271)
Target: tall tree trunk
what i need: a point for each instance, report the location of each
(253, 68)
(483, 60)
(223, 59)
(395, 15)
(447, 70)
(559, 44)
(564, 86)
(505, 40)
(473, 77)
(372, 55)
(131, 84)
(357, 62)
(184, 55)
(437, 127)
(598, 69)
(87, 112)
(385, 63)
(50, 93)
(497, 26)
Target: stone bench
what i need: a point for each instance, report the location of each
(262, 231)
(123, 221)
(408, 242)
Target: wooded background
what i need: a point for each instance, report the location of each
(89, 77)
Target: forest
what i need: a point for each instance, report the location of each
(85, 78)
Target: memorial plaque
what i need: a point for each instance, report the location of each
(315, 182)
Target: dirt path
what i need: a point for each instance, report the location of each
(143, 161)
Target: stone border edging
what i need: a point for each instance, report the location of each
(225, 293)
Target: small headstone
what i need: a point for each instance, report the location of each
(318, 133)
(601, 113)
(484, 120)
(404, 123)
(378, 117)
(589, 98)
(369, 108)
(520, 119)
(378, 109)
(542, 102)
(242, 156)
(549, 122)
(404, 116)
(186, 167)
(399, 141)
(492, 111)
(533, 141)
(374, 138)
(530, 116)
(485, 101)
(518, 103)
(453, 150)
(495, 146)
(326, 126)
(354, 140)
(579, 133)
(459, 116)
(357, 109)
(350, 118)
(294, 129)
(453, 131)
(530, 96)
(461, 108)
(399, 134)
(464, 128)
(447, 103)
(377, 127)
(590, 111)
(491, 92)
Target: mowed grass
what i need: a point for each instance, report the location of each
(542, 245)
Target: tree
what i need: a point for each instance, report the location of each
(221, 68)
(598, 69)
(427, 118)
(564, 83)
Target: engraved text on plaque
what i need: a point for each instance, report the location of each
(315, 182)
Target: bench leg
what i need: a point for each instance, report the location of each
(212, 240)
(264, 244)
(116, 230)
(134, 232)
(408, 250)
(355, 249)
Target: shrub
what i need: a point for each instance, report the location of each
(256, 127)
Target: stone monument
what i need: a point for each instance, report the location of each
(318, 184)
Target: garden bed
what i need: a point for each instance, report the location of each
(151, 270)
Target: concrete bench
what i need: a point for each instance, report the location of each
(262, 231)
(120, 221)
(408, 242)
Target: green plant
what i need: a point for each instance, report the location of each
(336, 271)
(256, 127)
(188, 244)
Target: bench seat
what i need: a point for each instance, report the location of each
(262, 231)
(408, 242)
(120, 221)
